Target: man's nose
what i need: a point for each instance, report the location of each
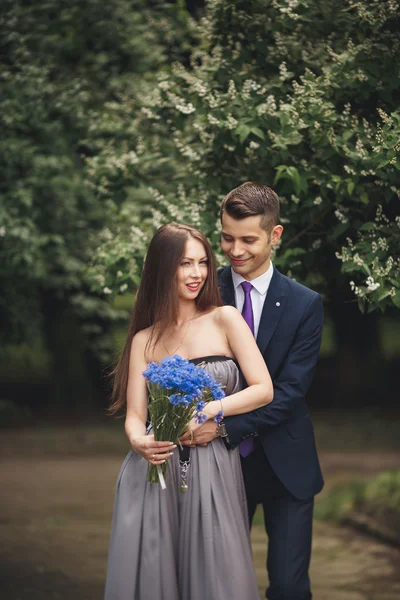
(237, 250)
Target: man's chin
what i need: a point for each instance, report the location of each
(241, 268)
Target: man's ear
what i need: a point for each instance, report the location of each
(276, 234)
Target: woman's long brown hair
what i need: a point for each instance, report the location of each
(157, 296)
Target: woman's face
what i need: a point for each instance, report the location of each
(193, 270)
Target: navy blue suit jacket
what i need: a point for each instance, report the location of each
(289, 338)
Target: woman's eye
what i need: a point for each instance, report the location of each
(185, 264)
(204, 262)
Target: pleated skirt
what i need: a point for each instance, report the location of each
(169, 545)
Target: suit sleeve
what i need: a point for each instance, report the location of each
(291, 383)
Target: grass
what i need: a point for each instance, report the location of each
(373, 505)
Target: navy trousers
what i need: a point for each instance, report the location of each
(288, 523)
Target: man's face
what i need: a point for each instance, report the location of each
(247, 246)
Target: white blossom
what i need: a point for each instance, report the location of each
(230, 122)
(232, 89)
(317, 244)
(283, 71)
(341, 217)
(212, 120)
(185, 109)
(372, 285)
(164, 85)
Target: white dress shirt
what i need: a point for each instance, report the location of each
(258, 293)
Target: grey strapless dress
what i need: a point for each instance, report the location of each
(169, 545)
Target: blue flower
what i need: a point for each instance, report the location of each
(175, 399)
(218, 417)
(200, 418)
(188, 384)
(217, 392)
(200, 405)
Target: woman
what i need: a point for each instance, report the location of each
(166, 545)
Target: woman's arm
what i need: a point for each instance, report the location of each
(293, 379)
(136, 407)
(244, 348)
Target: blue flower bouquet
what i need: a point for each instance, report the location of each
(178, 391)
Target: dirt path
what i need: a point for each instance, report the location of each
(55, 520)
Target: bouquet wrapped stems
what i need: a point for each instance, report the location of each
(178, 392)
(168, 424)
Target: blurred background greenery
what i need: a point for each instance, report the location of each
(117, 117)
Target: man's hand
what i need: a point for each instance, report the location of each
(202, 436)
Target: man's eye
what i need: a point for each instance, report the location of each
(249, 241)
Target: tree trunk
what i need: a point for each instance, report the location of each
(72, 391)
(359, 364)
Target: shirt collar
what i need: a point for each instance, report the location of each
(261, 283)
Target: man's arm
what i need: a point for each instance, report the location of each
(292, 383)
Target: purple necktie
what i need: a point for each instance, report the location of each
(247, 446)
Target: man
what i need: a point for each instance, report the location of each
(276, 442)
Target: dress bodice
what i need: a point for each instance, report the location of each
(224, 369)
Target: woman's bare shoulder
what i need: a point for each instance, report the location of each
(226, 315)
(141, 338)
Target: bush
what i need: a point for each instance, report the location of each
(373, 505)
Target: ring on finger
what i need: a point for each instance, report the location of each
(154, 457)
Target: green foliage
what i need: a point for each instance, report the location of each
(298, 95)
(340, 502)
(385, 489)
(378, 499)
(66, 65)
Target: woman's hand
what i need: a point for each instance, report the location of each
(154, 452)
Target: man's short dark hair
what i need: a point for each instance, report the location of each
(251, 199)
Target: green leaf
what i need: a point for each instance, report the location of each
(350, 187)
(257, 131)
(367, 226)
(279, 172)
(347, 135)
(362, 304)
(383, 163)
(396, 299)
(295, 177)
(383, 296)
(339, 230)
(364, 198)
(243, 131)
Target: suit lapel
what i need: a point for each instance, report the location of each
(226, 286)
(272, 310)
